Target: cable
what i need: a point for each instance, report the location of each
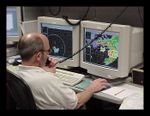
(22, 13)
(52, 13)
(22, 19)
(141, 19)
(140, 15)
(99, 35)
(74, 24)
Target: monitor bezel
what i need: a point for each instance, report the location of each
(124, 32)
(73, 62)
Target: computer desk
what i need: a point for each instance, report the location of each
(109, 98)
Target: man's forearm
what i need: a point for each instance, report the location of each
(84, 96)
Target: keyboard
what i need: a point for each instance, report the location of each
(68, 77)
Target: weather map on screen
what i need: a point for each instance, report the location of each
(104, 50)
(60, 38)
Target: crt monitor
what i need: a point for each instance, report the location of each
(13, 18)
(114, 53)
(63, 38)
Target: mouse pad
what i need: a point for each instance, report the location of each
(83, 84)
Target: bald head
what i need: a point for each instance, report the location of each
(31, 43)
(30, 36)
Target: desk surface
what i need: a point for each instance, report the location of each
(106, 97)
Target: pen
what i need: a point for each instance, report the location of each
(119, 92)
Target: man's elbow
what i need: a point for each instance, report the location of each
(79, 104)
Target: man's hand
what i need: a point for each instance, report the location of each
(97, 85)
(51, 67)
(52, 63)
(84, 96)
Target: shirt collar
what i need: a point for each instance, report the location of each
(25, 67)
(39, 69)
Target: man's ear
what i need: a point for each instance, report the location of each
(38, 56)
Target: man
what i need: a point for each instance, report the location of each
(48, 91)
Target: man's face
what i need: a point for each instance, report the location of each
(43, 59)
(45, 53)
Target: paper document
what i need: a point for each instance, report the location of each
(134, 101)
(118, 92)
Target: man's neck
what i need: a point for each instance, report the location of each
(27, 63)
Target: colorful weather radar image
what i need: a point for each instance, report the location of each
(104, 50)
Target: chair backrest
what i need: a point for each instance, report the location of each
(19, 91)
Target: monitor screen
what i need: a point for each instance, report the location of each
(13, 18)
(103, 51)
(12, 28)
(63, 39)
(60, 38)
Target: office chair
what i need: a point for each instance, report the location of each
(19, 95)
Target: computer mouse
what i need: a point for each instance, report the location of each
(108, 85)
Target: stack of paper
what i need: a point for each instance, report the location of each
(119, 92)
(133, 102)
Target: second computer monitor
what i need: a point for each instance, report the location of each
(63, 39)
(114, 53)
